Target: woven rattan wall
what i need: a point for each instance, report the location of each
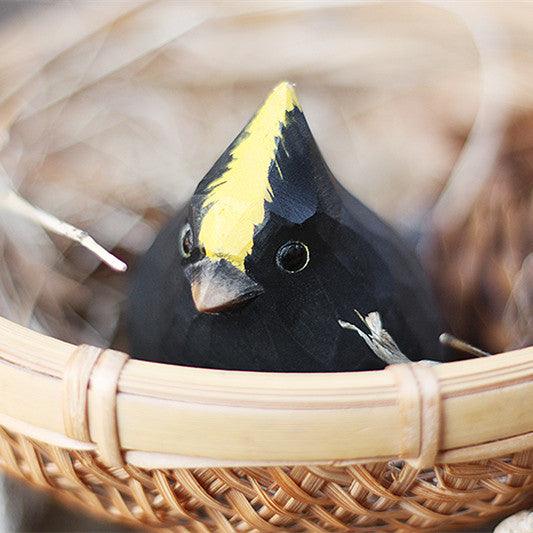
(389, 496)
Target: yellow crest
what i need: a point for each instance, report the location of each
(235, 201)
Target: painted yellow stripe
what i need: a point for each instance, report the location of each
(235, 201)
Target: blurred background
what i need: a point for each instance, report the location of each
(111, 112)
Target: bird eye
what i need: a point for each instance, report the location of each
(186, 241)
(292, 257)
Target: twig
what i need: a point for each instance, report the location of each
(13, 202)
(457, 344)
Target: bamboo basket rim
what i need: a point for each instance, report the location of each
(166, 416)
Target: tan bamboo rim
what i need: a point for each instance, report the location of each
(168, 416)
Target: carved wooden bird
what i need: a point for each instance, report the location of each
(271, 251)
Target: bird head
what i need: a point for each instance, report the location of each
(270, 177)
(270, 227)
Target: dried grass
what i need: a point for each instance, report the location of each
(111, 112)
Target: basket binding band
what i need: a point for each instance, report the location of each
(98, 370)
(420, 412)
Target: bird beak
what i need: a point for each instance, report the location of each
(219, 286)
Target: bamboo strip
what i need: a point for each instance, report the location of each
(75, 382)
(102, 406)
(154, 460)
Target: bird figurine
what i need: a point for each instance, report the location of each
(268, 257)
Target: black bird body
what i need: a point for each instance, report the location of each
(263, 317)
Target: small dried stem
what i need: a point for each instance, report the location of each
(14, 203)
(457, 344)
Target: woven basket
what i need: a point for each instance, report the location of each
(409, 448)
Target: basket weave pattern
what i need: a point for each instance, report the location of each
(391, 496)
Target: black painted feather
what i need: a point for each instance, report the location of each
(205, 306)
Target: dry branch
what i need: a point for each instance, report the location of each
(11, 201)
